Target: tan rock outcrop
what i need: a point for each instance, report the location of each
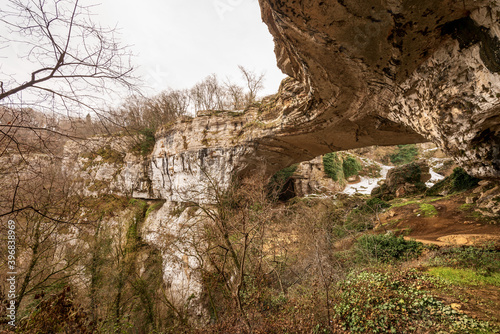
(431, 66)
(361, 74)
(310, 178)
(403, 181)
(282, 130)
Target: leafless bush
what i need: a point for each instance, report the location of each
(139, 112)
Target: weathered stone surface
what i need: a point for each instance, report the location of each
(403, 181)
(197, 154)
(310, 178)
(361, 74)
(429, 65)
(178, 234)
(282, 130)
(123, 173)
(488, 203)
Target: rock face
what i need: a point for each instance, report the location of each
(375, 72)
(488, 198)
(194, 155)
(212, 148)
(106, 165)
(361, 74)
(403, 181)
(175, 232)
(310, 178)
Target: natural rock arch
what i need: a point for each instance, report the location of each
(361, 73)
(430, 65)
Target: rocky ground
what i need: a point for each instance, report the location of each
(441, 221)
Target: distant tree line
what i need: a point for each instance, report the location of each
(210, 94)
(75, 67)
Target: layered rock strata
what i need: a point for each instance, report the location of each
(431, 67)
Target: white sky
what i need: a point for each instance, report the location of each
(180, 42)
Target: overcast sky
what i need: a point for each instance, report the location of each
(180, 42)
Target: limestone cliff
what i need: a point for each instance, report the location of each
(377, 72)
(108, 165)
(268, 136)
(361, 74)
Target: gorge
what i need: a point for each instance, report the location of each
(172, 231)
(377, 73)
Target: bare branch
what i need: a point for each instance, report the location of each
(84, 56)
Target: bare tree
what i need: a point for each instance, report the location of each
(166, 107)
(177, 100)
(138, 113)
(47, 215)
(254, 81)
(71, 52)
(235, 95)
(72, 64)
(229, 244)
(209, 94)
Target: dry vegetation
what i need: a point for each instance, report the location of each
(265, 266)
(307, 265)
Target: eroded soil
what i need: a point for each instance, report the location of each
(453, 223)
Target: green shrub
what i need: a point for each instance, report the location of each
(360, 218)
(351, 166)
(395, 303)
(485, 260)
(333, 166)
(387, 247)
(376, 204)
(404, 154)
(462, 180)
(146, 142)
(459, 180)
(357, 221)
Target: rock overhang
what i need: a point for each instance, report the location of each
(430, 67)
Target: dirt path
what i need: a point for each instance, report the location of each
(453, 224)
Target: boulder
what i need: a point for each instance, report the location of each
(404, 181)
(431, 67)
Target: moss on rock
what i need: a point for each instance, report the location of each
(404, 180)
(458, 181)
